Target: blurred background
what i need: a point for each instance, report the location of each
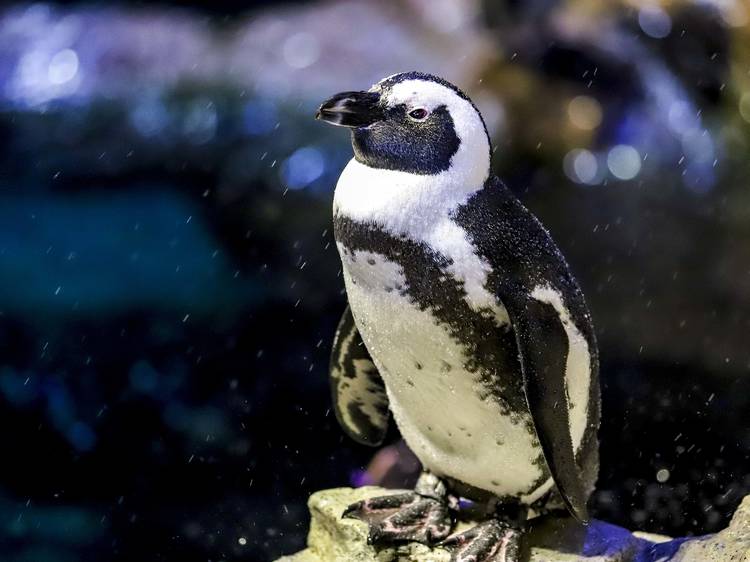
(169, 288)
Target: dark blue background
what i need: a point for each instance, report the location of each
(169, 287)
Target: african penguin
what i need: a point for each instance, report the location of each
(464, 322)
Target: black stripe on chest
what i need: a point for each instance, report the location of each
(490, 351)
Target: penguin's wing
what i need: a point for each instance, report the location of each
(359, 397)
(552, 327)
(543, 349)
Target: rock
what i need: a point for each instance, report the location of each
(551, 539)
(333, 539)
(733, 543)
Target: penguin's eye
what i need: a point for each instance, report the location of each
(419, 114)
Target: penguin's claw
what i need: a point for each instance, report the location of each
(403, 517)
(378, 505)
(491, 541)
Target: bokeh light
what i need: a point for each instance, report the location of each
(581, 166)
(63, 67)
(149, 116)
(624, 162)
(200, 121)
(585, 112)
(744, 106)
(682, 117)
(303, 167)
(654, 21)
(301, 50)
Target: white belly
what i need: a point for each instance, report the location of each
(436, 402)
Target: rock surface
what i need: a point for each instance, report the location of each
(553, 539)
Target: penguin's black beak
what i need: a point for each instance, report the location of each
(351, 109)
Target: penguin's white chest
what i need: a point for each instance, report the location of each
(441, 408)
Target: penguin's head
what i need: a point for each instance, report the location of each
(415, 123)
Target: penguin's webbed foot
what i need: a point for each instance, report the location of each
(490, 541)
(421, 516)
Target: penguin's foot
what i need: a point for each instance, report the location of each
(402, 518)
(491, 541)
(421, 516)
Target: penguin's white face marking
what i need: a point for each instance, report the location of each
(421, 98)
(577, 366)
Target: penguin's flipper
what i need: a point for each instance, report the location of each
(543, 351)
(359, 397)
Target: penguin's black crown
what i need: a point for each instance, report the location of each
(410, 122)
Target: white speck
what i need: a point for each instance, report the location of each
(242, 541)
(662, 475)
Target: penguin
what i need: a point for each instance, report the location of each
(464, 323)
